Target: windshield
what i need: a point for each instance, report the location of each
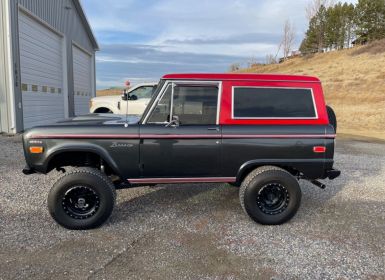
(143, 92)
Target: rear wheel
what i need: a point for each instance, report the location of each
(270, 195)
(82, 199)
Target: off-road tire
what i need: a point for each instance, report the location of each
(332, 117)
(258, 179)
(94, 181)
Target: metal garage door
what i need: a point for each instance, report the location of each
(41, 62)
(82, 67)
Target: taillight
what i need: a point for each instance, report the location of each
(319, 149)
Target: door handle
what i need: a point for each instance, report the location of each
(213, 128)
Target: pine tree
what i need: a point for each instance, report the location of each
(333, 27)
(336, 26)
(370, 20)
(315, 36)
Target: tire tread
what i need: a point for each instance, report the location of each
(84, 170)
(250, 177)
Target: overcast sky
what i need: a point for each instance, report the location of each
(141, 40)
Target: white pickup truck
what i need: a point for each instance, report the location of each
(133, 102)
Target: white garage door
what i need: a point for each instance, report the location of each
(41, 62)
(82, 67)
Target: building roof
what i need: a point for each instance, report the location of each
(241, 76)
(87, 26)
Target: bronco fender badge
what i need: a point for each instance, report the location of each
(120, 145)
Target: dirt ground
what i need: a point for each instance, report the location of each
(200, 231)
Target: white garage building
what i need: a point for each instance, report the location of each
(47, 62)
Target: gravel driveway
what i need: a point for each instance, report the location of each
(199, 231)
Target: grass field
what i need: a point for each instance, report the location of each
(353, 82)
(110, 91)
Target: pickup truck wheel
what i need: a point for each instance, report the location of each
(82, 199)
(270, 195)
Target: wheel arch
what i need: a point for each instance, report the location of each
(107, 107)
(249, 166)
(67, 149)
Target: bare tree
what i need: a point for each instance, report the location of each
(271, 59)
(287, 39)
(234, 67)
(252, 62)
(313, 7)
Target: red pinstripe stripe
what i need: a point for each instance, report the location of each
(181, 136)
(182, 180)
(279, 136)
(86, 136)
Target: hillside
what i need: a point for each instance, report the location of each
(110, 91)
(354, 85)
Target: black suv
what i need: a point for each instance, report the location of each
(262, 133)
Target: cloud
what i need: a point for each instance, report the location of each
(143, 63)
(151, 37)
(235, 39)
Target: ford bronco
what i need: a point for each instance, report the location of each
(262, 133)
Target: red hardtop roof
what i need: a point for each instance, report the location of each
(240, 77)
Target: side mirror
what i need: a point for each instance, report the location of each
(174, 122)
(125, 96)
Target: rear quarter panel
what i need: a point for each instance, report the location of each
(286, 146)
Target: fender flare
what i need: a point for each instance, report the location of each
(248, 166)
(79, 147)
(312, 168)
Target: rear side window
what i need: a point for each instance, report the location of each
(273, 103)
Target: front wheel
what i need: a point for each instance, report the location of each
(82, 199)
(270, 195)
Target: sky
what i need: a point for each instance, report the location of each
(141, 40)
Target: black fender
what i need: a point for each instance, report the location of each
(313, 168)
(80, 147)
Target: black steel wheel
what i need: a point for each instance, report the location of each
(82, 199)
(81, 202)
(270, 195)
(273, 198)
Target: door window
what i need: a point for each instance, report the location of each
(190, 104)
(195, 105)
